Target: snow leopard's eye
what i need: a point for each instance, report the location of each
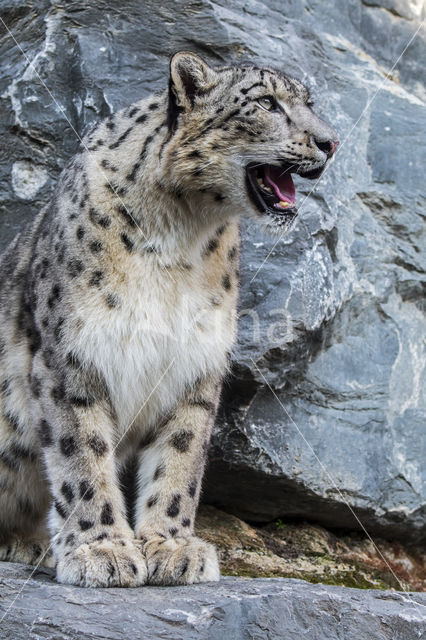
(268, 103)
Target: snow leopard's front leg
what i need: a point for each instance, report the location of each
(92, 541)
(170, 471)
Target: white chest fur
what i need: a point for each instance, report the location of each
(164, 334)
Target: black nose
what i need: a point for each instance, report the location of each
(327, 146)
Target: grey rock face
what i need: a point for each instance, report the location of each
(236, 608)
(324, 417)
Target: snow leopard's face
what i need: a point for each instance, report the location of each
(240, 132)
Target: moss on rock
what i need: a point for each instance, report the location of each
(310, 552)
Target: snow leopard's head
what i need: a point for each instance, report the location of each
(238, 134)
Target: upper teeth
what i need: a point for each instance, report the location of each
(263, 185)
(260, 182)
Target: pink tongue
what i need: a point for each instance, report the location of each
(281, 183)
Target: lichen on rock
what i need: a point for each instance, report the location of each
(311, 552)
(27, 179)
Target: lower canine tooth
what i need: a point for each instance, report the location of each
(284, 204)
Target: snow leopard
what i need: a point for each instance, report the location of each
(118, 318)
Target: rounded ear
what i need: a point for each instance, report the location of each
(190, 76)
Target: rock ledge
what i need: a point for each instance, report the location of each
(235, 609)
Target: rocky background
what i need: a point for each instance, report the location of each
(323, 417)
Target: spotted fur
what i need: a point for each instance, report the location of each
(118, 312)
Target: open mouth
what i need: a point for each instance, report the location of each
(272, 188)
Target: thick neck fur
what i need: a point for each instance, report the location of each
(133, 159)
